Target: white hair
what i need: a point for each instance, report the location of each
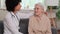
(42, 5)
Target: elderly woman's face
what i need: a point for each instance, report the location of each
(38, 9)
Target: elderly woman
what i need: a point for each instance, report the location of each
(39, 23)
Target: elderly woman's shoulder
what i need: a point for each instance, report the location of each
(31, 17)
(46, 17)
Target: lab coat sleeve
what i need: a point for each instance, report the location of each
(11, 26)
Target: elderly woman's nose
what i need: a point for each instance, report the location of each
(35, 10)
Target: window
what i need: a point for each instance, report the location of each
(30, 3)
(25, 3)
(2, 4)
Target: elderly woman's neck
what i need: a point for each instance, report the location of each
(39, 15)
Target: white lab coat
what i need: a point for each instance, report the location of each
(11, 24)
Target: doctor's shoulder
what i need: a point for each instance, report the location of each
(8, 15)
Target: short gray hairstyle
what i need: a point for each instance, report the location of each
(42, 5)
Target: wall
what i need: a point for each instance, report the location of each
(52, 2)
(2, 14)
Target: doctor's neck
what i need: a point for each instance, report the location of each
(14, 12)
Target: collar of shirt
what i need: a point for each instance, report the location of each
(12, 14)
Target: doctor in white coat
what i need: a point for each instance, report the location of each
(11, 20)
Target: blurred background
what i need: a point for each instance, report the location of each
(28, 7)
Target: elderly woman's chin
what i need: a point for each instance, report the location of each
(37, 14)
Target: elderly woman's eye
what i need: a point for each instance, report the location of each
(34, 8)
(37, 8)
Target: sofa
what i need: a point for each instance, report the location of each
(1, 27)
(23, 27)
